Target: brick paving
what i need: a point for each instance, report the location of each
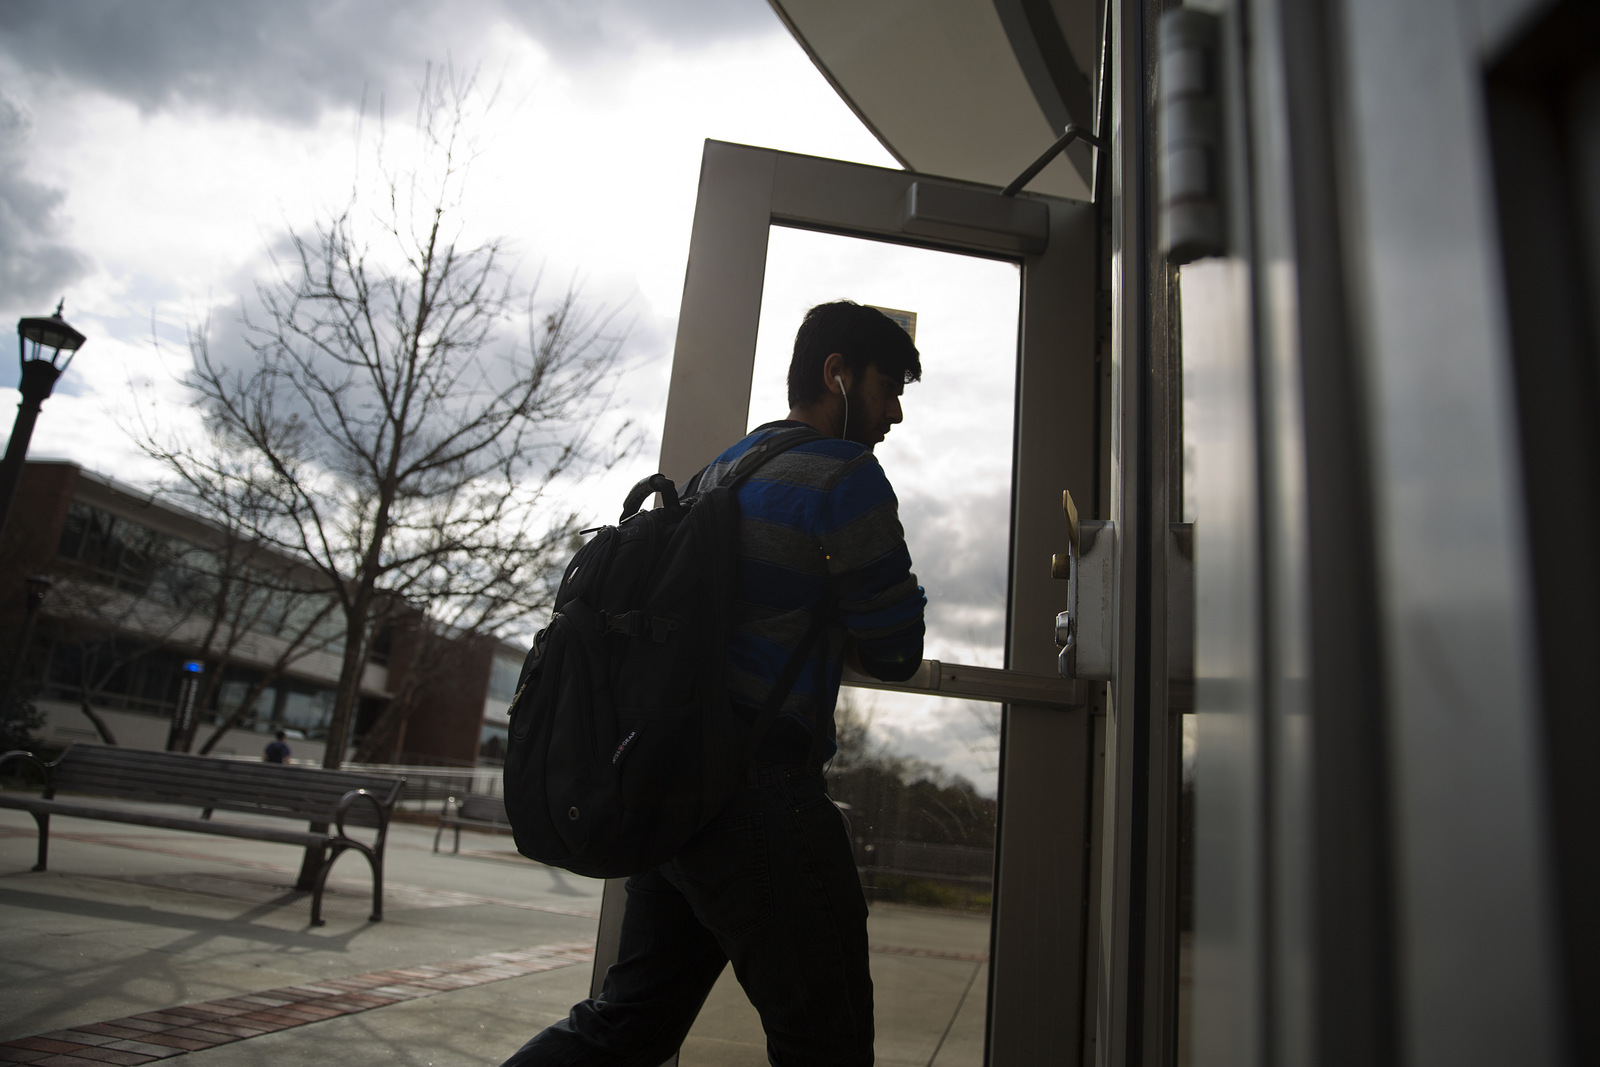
(155, 1035)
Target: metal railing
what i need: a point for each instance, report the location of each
(426, 787)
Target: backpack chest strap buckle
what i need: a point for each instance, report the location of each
(638, 624)
(629, 623)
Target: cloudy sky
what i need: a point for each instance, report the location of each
(153, 152)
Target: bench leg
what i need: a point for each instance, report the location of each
(438, 834)
(377, 887)
(457, 850)
(375, 861)
(317, 887)
(43, 819)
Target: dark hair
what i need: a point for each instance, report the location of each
(863, 335)
(281, 735)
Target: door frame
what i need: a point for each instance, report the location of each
(1043, 926)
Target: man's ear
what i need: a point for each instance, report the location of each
(834, 368)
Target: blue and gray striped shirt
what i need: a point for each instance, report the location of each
(818, 526)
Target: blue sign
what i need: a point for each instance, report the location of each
(194, 666)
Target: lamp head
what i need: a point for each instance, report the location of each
(35, 335)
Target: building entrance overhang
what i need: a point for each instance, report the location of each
(969, 89)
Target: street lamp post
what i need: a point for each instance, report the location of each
(39, 374)
(38, 586)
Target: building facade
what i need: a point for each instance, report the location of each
(149, 604)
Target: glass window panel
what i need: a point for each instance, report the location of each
(75, 530)
(492, 743)
(309, 713)
(231, 693)
(503, 675)
(950, 461)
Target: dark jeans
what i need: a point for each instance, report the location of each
(771, 886)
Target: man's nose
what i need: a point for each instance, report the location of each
(895, 414)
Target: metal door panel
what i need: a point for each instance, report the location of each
(1473, 891)
(1405, 442)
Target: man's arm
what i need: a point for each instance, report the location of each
(880, 603)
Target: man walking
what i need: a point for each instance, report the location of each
(770, 885)
(277, 750)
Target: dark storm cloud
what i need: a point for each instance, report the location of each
(600, 30)
(957, 550)
(288, 59)
(34, 267)
(283, 58)
(959, 553)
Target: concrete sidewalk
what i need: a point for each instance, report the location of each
(476, 952)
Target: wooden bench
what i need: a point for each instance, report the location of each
(475, 811)
(302, 794)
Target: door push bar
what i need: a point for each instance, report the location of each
(965, 682)
(1085, 631)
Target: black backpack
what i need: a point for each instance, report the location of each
(623, 742)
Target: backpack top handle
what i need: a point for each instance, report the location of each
(656, 483)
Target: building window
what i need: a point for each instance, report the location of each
(307, 709)
(492, 743)
(116, 551)
(128, 675)
(503, 675)
(126, 555)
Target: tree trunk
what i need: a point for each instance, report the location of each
(389, 726)
(347, 696)
(99, 723)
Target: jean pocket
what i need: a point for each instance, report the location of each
(725, 873)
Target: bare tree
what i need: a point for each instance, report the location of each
(399, 441)
(478, 597)
(244, 592)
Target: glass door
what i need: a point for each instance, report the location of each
(918, 775)
(969, 787)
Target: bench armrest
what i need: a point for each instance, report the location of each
(377, 806)
(46, 768)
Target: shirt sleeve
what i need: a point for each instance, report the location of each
(880, 602)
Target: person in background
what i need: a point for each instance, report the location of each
(278, 750)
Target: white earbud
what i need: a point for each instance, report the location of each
(843, 430)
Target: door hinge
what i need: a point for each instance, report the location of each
(1193, 220)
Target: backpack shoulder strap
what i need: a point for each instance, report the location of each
(759, 453)
(743, 467)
